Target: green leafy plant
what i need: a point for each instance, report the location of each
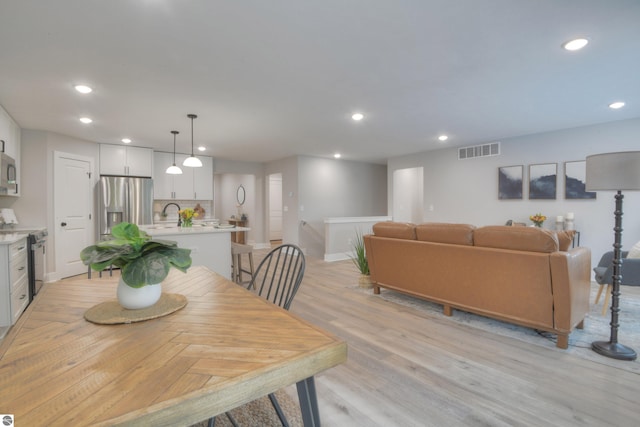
(142, 260)
(360, 258)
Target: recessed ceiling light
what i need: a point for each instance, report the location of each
(85, 120)
(616, 105)
(443, 137)
(126, 140)
(575, 44)
(357, 116)
(202, 148)
(337, 155)
(83, 88)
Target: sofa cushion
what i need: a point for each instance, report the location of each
(397, 230)
(532, 239)
(439, 232)
(565, 238)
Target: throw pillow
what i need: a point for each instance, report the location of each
(634, 252)
(565, 238)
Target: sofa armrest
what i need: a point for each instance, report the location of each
(571, 281)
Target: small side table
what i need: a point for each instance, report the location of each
(238, 236)
(576, 239)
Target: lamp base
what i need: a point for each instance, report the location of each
(613, 350)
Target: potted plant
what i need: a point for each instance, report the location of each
(144, 263)
(360, 261)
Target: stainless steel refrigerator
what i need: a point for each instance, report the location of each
(123, 198)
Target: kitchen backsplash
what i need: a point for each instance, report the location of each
(172, 211)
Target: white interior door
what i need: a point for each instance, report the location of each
(275, 206)
(73, 206)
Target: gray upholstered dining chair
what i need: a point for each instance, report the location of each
(604, 275)
(277, 280)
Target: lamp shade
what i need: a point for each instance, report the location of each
(174, 170)
(613, 171)
(192, 162)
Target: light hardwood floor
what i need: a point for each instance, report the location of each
(407, 368)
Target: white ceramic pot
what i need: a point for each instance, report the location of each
(137, 298)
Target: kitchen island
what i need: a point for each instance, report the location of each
(210, 246)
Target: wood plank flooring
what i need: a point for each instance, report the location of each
(407, 368)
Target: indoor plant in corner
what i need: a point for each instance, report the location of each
(360, 260)
(144, 263)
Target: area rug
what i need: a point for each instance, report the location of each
(597, 327)
(260, 413)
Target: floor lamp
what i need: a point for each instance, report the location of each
(617, 172)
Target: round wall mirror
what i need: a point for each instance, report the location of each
(240, 195)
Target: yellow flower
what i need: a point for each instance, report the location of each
(538, 218)
(188, 213)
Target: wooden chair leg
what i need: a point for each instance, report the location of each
(599, 293)
(606, 300)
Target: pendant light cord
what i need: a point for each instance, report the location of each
(192, 116)
(175, 132)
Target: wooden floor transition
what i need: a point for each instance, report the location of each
(408, 369)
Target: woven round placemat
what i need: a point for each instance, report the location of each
(112, 313)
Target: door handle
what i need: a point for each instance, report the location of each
(63, 224)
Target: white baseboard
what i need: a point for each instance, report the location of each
(339, 256)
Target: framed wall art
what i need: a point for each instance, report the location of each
(575, 180)
(542, 181)
(510, 182)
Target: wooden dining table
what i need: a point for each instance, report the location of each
(225, 348)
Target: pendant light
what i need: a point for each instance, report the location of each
(193, 161)
(173, 169)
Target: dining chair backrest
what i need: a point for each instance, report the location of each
(279, 275)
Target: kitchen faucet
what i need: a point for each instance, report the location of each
(164, 212)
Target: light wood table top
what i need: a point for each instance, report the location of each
(227, 347)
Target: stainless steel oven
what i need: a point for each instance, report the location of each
(36, 254)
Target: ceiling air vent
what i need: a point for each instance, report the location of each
(483, 150)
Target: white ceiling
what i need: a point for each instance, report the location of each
(271, 79)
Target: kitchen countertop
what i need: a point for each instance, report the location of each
(174, 230)
(9, 237)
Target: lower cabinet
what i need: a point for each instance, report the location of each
(14, 281)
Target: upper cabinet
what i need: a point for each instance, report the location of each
(10, 133)
(123, 160)
(192, 184)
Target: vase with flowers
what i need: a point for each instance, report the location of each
(538, 219)
(187, 216)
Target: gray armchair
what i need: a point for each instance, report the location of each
(604, 272)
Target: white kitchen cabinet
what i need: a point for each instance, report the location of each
(14, 281)
(128, 161)
(203, 180)
(192, 184)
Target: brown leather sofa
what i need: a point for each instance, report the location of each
(515, 274)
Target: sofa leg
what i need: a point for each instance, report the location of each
(580, 325)
(447, 310)
(563, 341)
(376, 290)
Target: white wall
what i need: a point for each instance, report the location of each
(35, 205)
(336, 188)
(466, 190)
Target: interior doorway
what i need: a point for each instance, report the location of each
(408, 195)
(275, 207)
(73, 211)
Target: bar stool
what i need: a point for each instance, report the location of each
(237, 250)
(89, 271)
